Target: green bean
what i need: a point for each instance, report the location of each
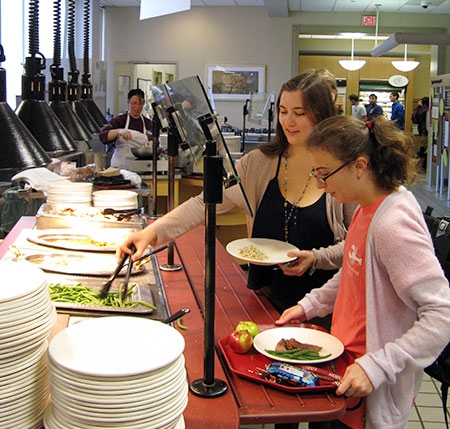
(181, 325)
(80, 294)
(297, 354)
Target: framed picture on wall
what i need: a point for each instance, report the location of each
(236, 82)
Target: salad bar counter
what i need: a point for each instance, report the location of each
(250, 397)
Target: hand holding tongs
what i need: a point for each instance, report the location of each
(124, 284)
(107, 285)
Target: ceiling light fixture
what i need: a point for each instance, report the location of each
(405, 65)
(352, 65)
(155, 8)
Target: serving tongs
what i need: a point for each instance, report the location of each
(107, 285)
(123, 262)
(120, 214)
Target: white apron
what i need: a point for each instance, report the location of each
(122, 150)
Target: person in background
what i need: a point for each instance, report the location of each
(277, 180)
(373, 109)
(419, 117)
(390, 300)
(398, 111)
(358, 110)
(127, 130)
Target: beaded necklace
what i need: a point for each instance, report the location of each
(287, 216)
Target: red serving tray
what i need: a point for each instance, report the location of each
(246, 366)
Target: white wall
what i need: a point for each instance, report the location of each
(231, 36)
(200, 37)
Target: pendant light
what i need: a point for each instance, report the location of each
(405, 65)
(20, 150)
(352, 65)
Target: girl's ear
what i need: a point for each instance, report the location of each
(361, 165)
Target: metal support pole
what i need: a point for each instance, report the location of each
(245, 112)
(154, 176)
(172, 151)
(212, 192)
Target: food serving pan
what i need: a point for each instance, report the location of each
(141, 292)
(80, 264)
(147, 287)
(56, 216)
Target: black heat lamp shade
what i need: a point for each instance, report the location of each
(71, 121)
(95, 112)
(45, 126)
(86, 117)
(18, 148)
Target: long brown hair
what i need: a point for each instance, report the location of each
(316, 87)
(385, 146)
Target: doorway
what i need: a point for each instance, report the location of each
(143, 76)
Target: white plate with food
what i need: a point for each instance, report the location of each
(313, 346)
(261, 251)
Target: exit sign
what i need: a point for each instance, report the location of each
(369, 20)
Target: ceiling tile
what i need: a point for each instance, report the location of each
(361, 6)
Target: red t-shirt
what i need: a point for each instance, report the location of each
(349, 314)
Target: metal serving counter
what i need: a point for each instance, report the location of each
(245, 402)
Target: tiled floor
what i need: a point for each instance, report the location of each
(427, 412)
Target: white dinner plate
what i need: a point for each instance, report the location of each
(138, 346)
(267, 340)
(113, 386)
(267, 251)
(19, 279)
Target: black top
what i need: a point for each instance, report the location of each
(308, 229)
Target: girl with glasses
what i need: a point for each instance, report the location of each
(390, 300)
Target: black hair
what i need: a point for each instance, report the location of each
(395, 93)
(137, 92)
(426, 101)
(373, 95)
(353, 97)
(386, 148)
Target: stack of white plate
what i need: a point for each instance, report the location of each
(116, 199)
(117, 371)
(26, 318)
(70, 193)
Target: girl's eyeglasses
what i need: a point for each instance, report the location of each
(323, 179)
